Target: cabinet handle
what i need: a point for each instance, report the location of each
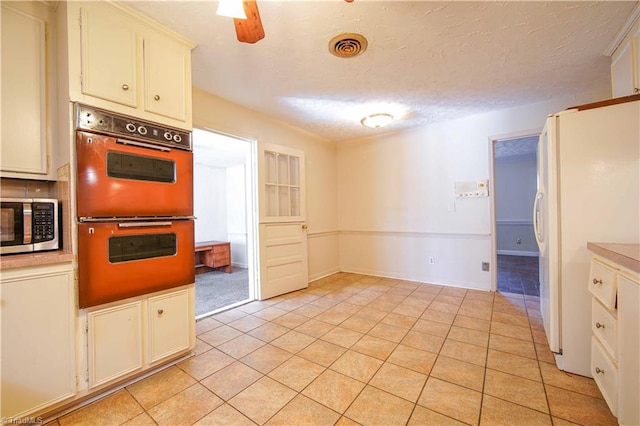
(305, 226)
(597, 281)
(599, 370)
(125, 87)
(160, 311)
(156, 97)
(598, 325)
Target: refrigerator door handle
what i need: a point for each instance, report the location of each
(537, 216)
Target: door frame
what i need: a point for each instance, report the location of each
(492, 194)
(252, 220)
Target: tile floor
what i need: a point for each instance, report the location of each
(518, 274)
(354, 349)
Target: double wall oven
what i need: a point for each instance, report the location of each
(134, 207)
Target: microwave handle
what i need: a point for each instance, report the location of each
(27, 223)
(143, 145)
(142, 224)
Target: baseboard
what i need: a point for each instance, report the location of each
(519, 253)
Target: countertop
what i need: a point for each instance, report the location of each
(627, 255)
(26, 260)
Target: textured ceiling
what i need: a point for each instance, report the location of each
(427, 61)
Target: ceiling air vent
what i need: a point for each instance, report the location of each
(347, 45)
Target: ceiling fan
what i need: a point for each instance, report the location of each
(246, 18)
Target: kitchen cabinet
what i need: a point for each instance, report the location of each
(115, 342)
(615, 346)
(27, 63)
(38, 347)
(130, 337)
(149, 67)
(625, 64)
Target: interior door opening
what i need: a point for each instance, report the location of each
(516, 254)
(226, 221)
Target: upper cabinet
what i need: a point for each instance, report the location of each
(122, 61)
(27, 64)
(625, 60)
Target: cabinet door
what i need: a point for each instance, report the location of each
(109, 55)
(169, 319)
(37, 322)
(622, 70)
(24, 138)
(629, 341)
(166, 68)
(115, 342)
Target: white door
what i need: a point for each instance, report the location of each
(545, 227)
(283, 237)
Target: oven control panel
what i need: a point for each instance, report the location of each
(100, 121)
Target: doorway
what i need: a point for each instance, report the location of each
(514, 186)
(225, 225)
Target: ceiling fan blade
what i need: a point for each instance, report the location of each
(249, 30)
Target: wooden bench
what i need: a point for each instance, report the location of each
(213, 255)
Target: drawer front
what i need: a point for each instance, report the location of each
(605, 327)
(221, 261)
(602, 284)
(605, 373)
(224, 248)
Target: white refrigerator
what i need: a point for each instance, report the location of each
(588, 190)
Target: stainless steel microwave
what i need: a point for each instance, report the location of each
(29, 225)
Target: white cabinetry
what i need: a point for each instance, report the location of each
(130, 337)
(38, 351)
(625, 63)
(122, 61)
(26, 88)
(615, 346)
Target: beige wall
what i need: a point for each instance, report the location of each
(214, 113)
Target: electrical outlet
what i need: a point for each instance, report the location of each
(485, 266)
(431, 260)
(518, 240)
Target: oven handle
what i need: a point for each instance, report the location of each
(143, 224)
(143, 145)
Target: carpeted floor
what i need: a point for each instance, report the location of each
(217, 289)
(518, 274)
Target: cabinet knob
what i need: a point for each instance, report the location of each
(125, 87)
(160, 311)
(598, 325)
(597, 281)
(156, 97)
(305, 226)
(599, 370)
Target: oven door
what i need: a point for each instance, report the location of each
(122, 178)
(132, 258)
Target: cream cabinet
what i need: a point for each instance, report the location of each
(125, 62)
(615, 346)
(625, 64)
(27, 63)
(37, 318)
(125, 338)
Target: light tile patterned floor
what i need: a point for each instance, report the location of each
(354, 349)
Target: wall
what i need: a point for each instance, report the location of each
(395, 196)
(236, 215)
(209, 203)
(515, 189)
(214, 113)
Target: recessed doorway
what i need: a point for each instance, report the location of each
(514, 186)
(225, 225)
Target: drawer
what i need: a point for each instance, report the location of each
(221, 261)
(605, 327)
(224, 248)
(605, 373)
(602, 284)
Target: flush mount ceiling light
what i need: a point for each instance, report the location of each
(377, 120)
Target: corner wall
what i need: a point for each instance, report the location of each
(214, 113)
(396, 197)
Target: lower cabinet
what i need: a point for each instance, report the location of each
(37, 319)
(615, 344)
(131, 337)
